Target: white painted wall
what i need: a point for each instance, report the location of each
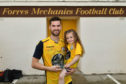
(18, 38)
(104, 41)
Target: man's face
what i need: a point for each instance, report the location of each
(55, 28)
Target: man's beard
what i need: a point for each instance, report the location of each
(55, 34)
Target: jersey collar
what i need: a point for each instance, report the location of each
(54, 41)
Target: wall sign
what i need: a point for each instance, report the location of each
(45, 11)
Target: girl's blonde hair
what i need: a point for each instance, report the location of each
(76, 37)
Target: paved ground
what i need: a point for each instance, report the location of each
(78, 78)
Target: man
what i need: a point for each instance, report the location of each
(52, 52)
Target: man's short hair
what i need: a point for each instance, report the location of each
(54, 19)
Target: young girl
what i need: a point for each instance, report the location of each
(74, 51)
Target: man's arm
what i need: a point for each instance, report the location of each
(36, 57)
(37, 65)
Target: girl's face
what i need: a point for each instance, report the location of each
(70, 38)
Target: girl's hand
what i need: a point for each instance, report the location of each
(67, 66)
(70, 71)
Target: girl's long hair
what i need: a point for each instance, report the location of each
(76, 37)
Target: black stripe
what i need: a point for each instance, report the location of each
(70, 82)
(39, 50)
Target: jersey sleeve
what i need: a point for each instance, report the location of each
(38, 50)
(78, 49)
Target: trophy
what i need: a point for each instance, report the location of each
(58, 60)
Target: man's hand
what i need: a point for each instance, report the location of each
(70, 71)
(55, 68)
